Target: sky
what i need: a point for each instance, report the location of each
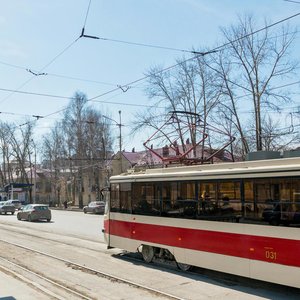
(41, 52)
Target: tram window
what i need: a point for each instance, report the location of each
(180, 199)
(295, 194)
(260, 195)
(248, 211)
(145, 199)
(125, 197)
(166, 198)
(272, 200)
(114, 198)
(208, 199)
(188, 200)
(229, 198)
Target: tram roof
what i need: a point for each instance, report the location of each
(259, 168)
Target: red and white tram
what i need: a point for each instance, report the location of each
(241, 218)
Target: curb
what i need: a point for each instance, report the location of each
(67, 209)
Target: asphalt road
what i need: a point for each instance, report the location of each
(70, 223)
(86, 227)
(64, 221)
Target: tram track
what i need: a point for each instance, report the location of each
(82, 268)
(18, 269)
(109, 266)
(16, 229)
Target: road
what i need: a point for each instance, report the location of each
(77, 237)
(69, 222)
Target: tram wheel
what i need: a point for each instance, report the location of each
(147, 253)
(183, 267)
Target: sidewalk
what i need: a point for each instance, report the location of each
(70, 208)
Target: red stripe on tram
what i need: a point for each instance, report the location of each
(275, 250)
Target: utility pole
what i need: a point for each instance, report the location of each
(34, 175)
(119, 124)
(120, 136)
(120, 141)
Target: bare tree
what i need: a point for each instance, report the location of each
(16, 145)
(54, 159)
(190, 88)
(254, 64)
(80, 143)
(6, 157)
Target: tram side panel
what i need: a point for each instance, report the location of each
(225, 247)
(122, 232)
(207, 237)
(203, 248)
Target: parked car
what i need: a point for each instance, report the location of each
(17, 204)
(95, 207)
(6, 207)
(34, 212)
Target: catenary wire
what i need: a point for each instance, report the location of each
(127, 104)
(31, 70)
(43, 68)
(189, 59)
(203, 53)
(292, 1)
(87, 13)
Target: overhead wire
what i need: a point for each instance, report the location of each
(184, 50)
(121, 103)
(43, 68)
(70, 98)
(128, 42)
(293, 1)
(30, 70)
(142, 44)
(257, 31)
(49, 63)
(87, 13)
(82, 79)
(35, 72)
(133, 82)
(216, 49)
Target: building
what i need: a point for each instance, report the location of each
(163, 157)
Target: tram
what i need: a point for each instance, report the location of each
(241, 218)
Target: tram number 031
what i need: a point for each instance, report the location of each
(271, 255)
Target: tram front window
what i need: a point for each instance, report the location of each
(125, 197)
(114, 197)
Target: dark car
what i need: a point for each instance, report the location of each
(6, 208)
(281, 214)
(34, 212)
(95, 207)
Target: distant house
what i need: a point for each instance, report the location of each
(161, 157)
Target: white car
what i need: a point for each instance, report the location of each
(16, 203)
(6, 208)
